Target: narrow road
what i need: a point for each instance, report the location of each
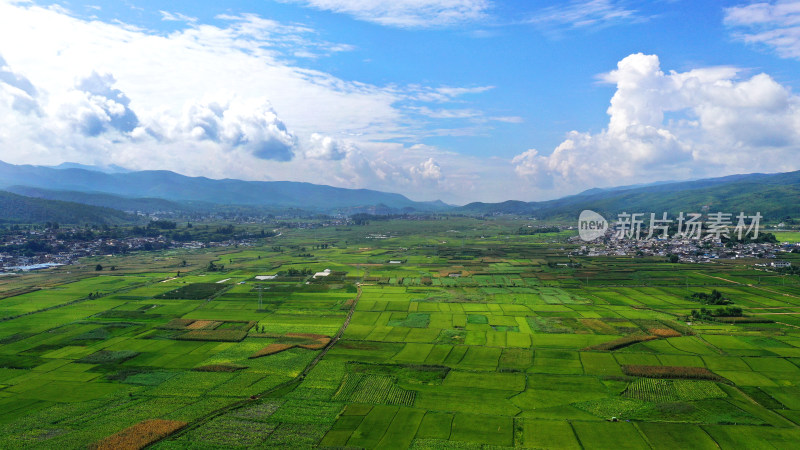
(750, 285)
(335, 338)
(718, 278)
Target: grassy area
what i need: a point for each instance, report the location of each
(787, 236)
(514, 351)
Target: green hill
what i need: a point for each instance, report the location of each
(775, 196)
(21, 209)
(145, 205)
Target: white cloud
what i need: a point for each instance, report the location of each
(774, 24)
(406, 13)
(585, 13)
(95, 106)
(507, 119)
(328, 148)
(248, 124)
(426, 171)
(176, 17)
(454, 113)
(16, 90)
(218, 101)
(444, 93)
(704, 122)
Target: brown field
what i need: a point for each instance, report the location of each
(203, 325)
(140, 435)
(598, 326)
(693, 373)
(664, 332)
(177, 324)
(318, 343)
(271, 349)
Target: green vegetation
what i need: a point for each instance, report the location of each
(714, 298)
(775, 196)
(18, 209)
(528, 347)
(195, 291)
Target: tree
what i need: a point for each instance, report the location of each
(98, 267)
(674, 258)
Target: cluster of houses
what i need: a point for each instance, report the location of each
(686, 250)
(16, 255)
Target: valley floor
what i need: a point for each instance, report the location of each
(408, 342)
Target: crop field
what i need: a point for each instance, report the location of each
(470, 338)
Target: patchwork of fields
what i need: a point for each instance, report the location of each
(409, 342)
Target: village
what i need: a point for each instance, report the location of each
(686, 250)
(40, 249)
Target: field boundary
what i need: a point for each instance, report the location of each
(76, 301)
(294, 381)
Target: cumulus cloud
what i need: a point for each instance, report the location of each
(703, 122)
(251, 125)
(327, 148)
(426, 171)
(774, 24)
(406, 13)
(95, 106)
(530, 164)
(17, 90)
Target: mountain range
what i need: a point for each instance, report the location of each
(190, 192)
(775, 196)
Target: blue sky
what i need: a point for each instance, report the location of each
(459, 100)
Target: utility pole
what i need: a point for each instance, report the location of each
(260, 299)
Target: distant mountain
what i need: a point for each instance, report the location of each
(113, 168)
(144, 205)
(20, 209)
(773, 195)
(161, 184)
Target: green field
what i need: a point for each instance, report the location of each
(515, 351)
(787, 236)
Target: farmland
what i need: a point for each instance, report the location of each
(425, 334)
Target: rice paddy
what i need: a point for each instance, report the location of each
(513, 352)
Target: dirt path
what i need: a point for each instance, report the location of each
(776, 292)
(335, 338)
(718, 278)
(749, 285)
